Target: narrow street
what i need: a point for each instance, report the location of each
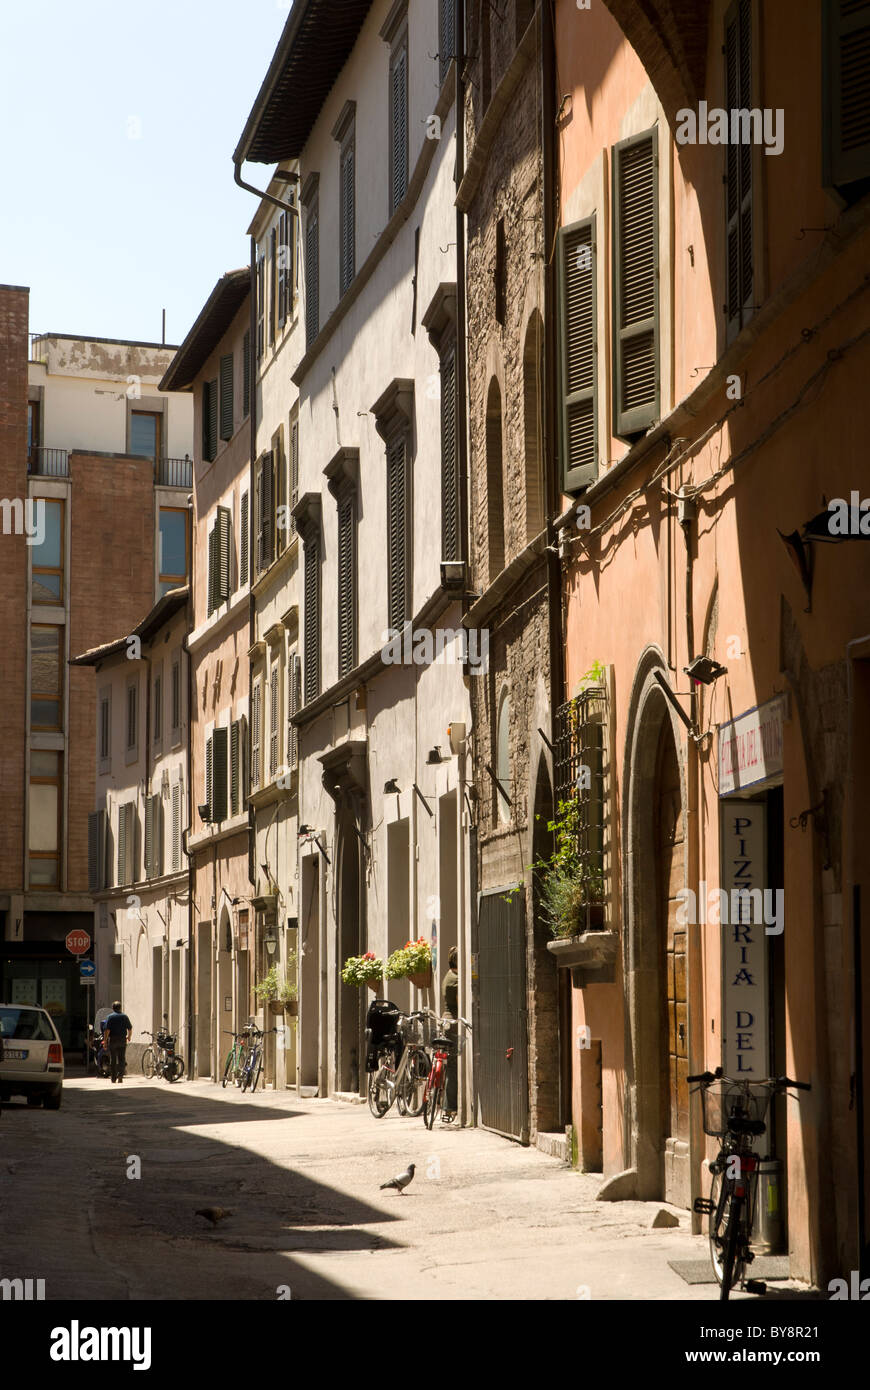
(483, 1219)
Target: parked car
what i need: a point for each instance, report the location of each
(31, 1056)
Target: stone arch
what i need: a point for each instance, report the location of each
(670, 39)
(533, 350)
(650, 720)
(495, 513)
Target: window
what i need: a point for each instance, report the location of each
(226, 408)
(293, 702)
(286, 238)
(235, 767)
(209, 419)
(738, 169)
(578, 343)
(450, 502)
(500, 272)
(44, 820)
(97, 857)
(503, 759)
(398, 585)
(256, 712)
(173, 557)
(265, 512)
(177, 791)
(132, 712)
(105, 736)
(635, 287)
(280, 486)
(261, 306)
(127, 823)
(846, 95)
(34, 433)
(153, 836)
(582, 787)
(46, 678)
(176, 701)
(532, 377)
(244, 539)
(312, 275)
(274, 719)
(145, 432)
(311, 673)
(216, 749)
(157, 698)
(219, 546)
(347, 600)
(246, 374)
(345, 132)
(446, 37)
(494, 482)
(399, 121)
(47, 558)
(273, 282)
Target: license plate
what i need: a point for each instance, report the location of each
(15, 1054)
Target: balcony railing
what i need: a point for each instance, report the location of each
(48, 463)
(175, 472)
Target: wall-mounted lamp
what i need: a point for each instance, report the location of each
(391, 786)
(453, 574)
(309, 832)
(433, 757)
(703, 671)
(270, 941)
(204, 814)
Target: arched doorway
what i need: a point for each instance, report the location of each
(656, 960)
(351, 942)
(551, 1051)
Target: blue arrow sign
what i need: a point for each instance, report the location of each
(87, 969)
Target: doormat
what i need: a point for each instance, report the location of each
(701, 1271)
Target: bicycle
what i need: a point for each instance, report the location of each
(401, 1065)
(734, 1112)
(436, 1082)
(165, 1061)
(235, 1057)
(252, 1067)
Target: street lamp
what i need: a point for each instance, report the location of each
(270, 941)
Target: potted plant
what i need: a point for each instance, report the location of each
(277, 991)
(572, 894)
(412, 962)
(363, 970)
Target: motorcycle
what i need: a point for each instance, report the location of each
(96, 1054)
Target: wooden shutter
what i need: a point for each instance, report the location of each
(176, 827)
(292, 708)
(269, 507)
(846, 91)
(255, 737)
(261, 306)
(219, 741)
(311, 673)
(398, 126)
(209, 419)
(244, 763)
(635, 259)
(96, 851)
(273, 721)
(346, 585)
(273, 280)
(212, 569)
(235, 770)
(578, 340)
(149, 837)
(209, 778)
(294, 469)
(397, 533)
(450, 509)
(244, 539)
(122, 846)
(246, 374)
(226, 380)
(312, 276)
(446, 36)
(224, 530)
(348, 215)
(738, 170)
(282, 269)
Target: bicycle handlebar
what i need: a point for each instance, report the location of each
(782, 1083)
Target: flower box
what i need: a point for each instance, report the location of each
(422, 979)
(591, 950)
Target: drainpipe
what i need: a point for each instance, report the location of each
(185, 838)
(252, 607)
(548, 414)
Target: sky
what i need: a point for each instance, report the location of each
(118, 123)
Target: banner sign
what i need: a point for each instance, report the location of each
(750, 746)
(745, 1019)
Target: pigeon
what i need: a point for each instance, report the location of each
(213, 1214)
(402, 1181)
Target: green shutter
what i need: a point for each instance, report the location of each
(450, 509)
(347, 250)
(845, 93)
(219, 741)
(398, 126)
(636, 292)
(176, 827)
(346, 586)
(446, 37)
(209, 778)
(224, 532)
(234, 768)
(212, 570)
(577, 266)
(255, 736)
(312, 276)
(261, 306)
(739, 288)
(96, 851)
(311, 674)
(397, 532)
(244, 539)
(292, 708)
(226, 380)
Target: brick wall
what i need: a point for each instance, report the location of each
(13, 580)
(111, 589)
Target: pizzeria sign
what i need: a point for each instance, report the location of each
(750, 746)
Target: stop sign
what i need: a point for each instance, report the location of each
(77, 942)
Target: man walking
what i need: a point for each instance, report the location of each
(450, 1008)
(119, 1030)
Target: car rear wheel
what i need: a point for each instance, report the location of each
(34, 1100)
(52, 1102)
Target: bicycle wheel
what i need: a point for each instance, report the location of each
(412, 1096)
(256, 1070)
(179, 1067)
(381, 1090)
(149, 1065)
(731, 1252)
(174, 1069)
(719, 1224)
(229, 1066)
(434, 1097)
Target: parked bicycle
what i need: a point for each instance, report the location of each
(235, 1062)
(443, 1046)
(160, 1058)
(252, 1067)
(734, 1113)
(397, 1062)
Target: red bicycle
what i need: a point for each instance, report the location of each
(443, 1047)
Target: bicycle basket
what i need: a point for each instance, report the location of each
(728, 1104)
(382, 1018)
(165, 1039)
